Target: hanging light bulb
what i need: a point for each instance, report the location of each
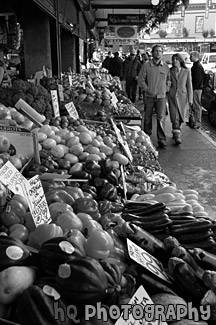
(155, 2)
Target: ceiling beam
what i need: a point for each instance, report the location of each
(99, 6)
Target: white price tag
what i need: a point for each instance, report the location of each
(60, 92)
(145, 259)
(55, 103)
(114, 99)
(37, 201)
(12, 178)
(70, 107)
(70, 80)
(142, 299)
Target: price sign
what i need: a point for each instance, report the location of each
(145, 259)
(55, 104)
(37, 201)
(114, 99)
(12, 178)
(70, 80)
(124, 182)
(72, 110)
(60, 92)
(142, 299)
(89, 83)
(121, 141)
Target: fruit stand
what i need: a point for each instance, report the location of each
(89, 219)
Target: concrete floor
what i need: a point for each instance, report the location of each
(192, 165)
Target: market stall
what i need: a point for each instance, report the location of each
(89, 217)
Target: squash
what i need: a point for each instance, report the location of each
(82, 280)
(12, 252)
(36, 307)
(54, 252)
(166, 189)
(13, 281)
(164, 197)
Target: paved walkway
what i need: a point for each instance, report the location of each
(191, 165)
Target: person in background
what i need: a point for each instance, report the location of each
(106, 61)
(154, 79)
(180, 95)
(131, 69)
(144, 58)
(197, 73)
(116, 66)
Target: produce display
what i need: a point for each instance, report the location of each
(115, 224)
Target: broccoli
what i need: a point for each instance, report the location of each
(19, 86)
(17, 96)
(34, 91)
(38, 107)
(29, 98)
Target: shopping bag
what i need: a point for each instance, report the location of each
(191, 121)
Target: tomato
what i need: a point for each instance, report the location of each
(17, 207)
(9, 218)
(21, 199)
(46, 231)
(89, 225)
(19, 231)
(99, 244)
(68, 221)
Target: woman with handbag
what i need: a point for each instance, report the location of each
(180, 95)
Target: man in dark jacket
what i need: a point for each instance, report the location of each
(115, 66)
(131, 69)
(197, 74)
(106, 62)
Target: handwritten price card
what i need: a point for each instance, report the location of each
(55, 104)
(37, 201)
(145, 259)
(12, 178)
(60, 92)
(142, 299)
(72, 110)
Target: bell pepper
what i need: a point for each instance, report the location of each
(89, 206)
(106, 166)
(59, 195)
(112, 178)
(100, 182)
(75, 192)
(45, 232)
(108, 192)
(116, 207)
(90, 189)
(110, 220)
(92, 167)
(99, 244)
(104, 207)
(77, 239)
(89, 225)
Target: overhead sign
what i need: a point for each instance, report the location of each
(108, 42)
(128, 19)
(114, 32)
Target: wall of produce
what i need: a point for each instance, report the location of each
(89, 220)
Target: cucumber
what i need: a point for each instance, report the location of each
(207, 244)
(154, 225)
(182, 217)
(198, 226)
(182, 222)
(147, 210)
(196, 237)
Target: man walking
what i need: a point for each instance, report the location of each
(154, 79)
(197, 74)
(131, 69)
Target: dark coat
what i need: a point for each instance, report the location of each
(180, 93)
(197, 73)
(106, 62)
(115, 67)
(131, 68)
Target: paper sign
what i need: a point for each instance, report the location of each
(70, 80)
(21, 140)
(60, 92)
(37, 201)
(72, 110)
(145, 259)
(114, 99)
(55, 104)
(142, 299)
(89, 83)
(12, 178)
(124, 182)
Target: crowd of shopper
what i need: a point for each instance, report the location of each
(174, 91)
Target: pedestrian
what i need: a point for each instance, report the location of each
(197, 73)
(116, 66)
(154, 79)
(106, 61)
(180, 96)
(144, 58)
(131, 69)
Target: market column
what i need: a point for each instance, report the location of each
(37, 44)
